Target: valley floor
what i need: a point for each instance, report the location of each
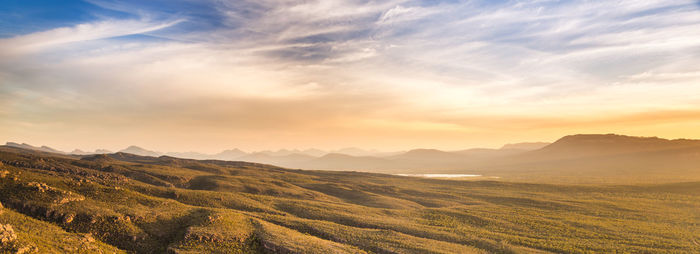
(125, 203)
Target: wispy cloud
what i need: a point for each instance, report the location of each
(34, 42)
(420, 64)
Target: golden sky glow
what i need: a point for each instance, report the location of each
(388, 75)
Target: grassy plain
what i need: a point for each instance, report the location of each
(128, 203)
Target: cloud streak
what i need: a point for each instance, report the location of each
(34, 42)
(448, 69)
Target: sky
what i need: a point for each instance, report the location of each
(208, 75)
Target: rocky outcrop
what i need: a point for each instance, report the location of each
(68, 218)
(10, 244)
(192, 235)
(7, 235)
(64, 168)
(41, 187)
(87, 242)
(61, 196)
(26, 249)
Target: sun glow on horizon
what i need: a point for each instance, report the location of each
(391, 75)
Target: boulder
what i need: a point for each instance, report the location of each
(7, 234)
(68, 218)
(41, 187)
(26, 249)
(88, 238)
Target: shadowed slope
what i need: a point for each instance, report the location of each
(160, 204)
(604, 158)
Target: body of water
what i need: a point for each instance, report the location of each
(439, 175)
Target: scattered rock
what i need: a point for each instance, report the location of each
(26, 249)
(41, 187)
(93, 219)
(137, 238)
(7, 234)
(88, 238)
(63, 197)
(68, 218)
(70, 198)
(191, 235)
(213, 219)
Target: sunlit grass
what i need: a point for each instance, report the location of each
(151, 205)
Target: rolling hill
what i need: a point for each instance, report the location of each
(599, 158)
(589, 158)
(525, 146)
(582, 158)
(129, 203)
(30, 147)
(596, 145)
(139, 151)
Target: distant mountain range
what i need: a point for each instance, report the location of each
(126, 203)
(354, 158)
(98, 151)
(140, 151)
(602, 156)
(342, 159)
(30, 147)
(526, 145)
(583, 154)
(231, 154)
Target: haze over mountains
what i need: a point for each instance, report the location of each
(593, 155)
(125, 203)
(31, 147)
(341, 159)
(515, 199)
(613, 157)
(312, 158)
(229, 154)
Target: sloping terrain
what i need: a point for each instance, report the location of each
(589, 158)
(124, 202)
(602, 159)
(36, 236)
(578, 159)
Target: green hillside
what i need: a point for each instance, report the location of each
(127, 203)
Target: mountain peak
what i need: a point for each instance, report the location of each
(525, 145)
(427, 152)
(139, 151)
(616, 139)
(102, 151)
(336, 155)
(598, 144)
(31, 147)
(78, 152)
